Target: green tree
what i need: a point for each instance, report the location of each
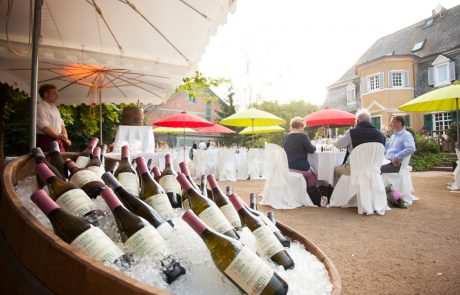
(227, 108)
(196, 86)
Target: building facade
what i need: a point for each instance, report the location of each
(400, 67)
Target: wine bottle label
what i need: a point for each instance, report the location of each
(97, 170)
(214, 218)
(160, 202)
(83, 177)
(170, 184)
(82, 161)
(186, 204)
(76, 202)
(268, 222)
(147, 241)
(130, 182)
(95, 243)
(165, 229)
(267, 244)
(249, 272)
(231, 215)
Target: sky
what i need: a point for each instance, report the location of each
(287, 50)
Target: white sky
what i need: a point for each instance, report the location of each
(294, 49)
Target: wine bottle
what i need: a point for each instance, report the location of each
(95, 164)
(102, 156)
(68, 196)
(141, 238)
(126, 173)
(39, 157)
(156, 173)
(136, 205)
(185, 201)
(152, 193)
(77, 232)
(207, 210)
(113, 166)
(224, 203)
(169, 183)
(253, 201)
(285, 242)
(133, 164)
(271, 217)
(267, 244)
(150, 164)
(84, 156)
(229, 190)
(242, 266)
(84, 179)
(204, 187)
(55, 158)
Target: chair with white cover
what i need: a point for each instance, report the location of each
(242, 164)
(455, 186)
(364, 187)
(283, 189)
(402, 181)
(200, 166)
(227, 167)
(253, 163)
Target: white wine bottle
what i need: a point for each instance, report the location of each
(68, 196)
(242, 266)
(224, 203)
(78, 232)
(207, 210)
(141, 238)
(266, 243)
(156, 173)
(169, 183)
(126, 174)
(184, 199)
(95, 163)
(84, 179)
(152, 193)
(39, 157)
(85, 155)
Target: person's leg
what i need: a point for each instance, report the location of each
(341, 170)
(389, 168)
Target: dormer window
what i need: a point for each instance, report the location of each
(441, 72)
(428, 23)
(418, 46)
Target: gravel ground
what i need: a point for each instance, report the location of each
(406, 251)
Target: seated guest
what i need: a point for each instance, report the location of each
(400, 145)
(363, 132)
(297, 146)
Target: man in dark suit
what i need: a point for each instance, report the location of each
(363, 132)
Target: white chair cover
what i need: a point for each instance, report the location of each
(261, 163)
(455, 186)
(253, 163)
(139, 138)
(227, 169)
(212, 162)
(242, 164)
(283, 189)
(402, 181)
(200, 166)
(365, 181)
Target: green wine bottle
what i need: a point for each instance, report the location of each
(169, 183)
(242, 266)
(267, 244)
(126, 174)
(95, 163)
(85, 155)
(207, 210)
(84, 179)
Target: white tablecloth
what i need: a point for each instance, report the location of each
(324, 163)
(139, 138)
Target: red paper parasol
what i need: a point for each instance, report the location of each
(183, 120)
(216, 128)
(329, 116)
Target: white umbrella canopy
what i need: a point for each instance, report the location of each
(159, 38)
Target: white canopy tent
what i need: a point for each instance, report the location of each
(158, 40)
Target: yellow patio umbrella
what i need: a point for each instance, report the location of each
(262, 129)
(252, 117)
(172, 130)
(443, 99)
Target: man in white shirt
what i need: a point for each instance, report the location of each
(202, 145)
(50, 126)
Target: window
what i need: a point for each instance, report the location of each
(398, 79)
(428, 23)
(418, 45)
(374, 82)
(351, 93)
(191, 99)
(208, 111)
(441, 72)
(441, 121)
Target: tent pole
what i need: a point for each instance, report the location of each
(100, 115)
(34, 74)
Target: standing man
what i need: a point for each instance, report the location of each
(400, 145)
(363, 132)
(50, 126)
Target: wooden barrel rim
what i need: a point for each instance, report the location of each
(18, 226)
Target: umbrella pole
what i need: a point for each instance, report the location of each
(34, 75)
(458, 130)
(184, 147)
(253, 145)
(100, 115)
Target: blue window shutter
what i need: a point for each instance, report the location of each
(431, 76)
(452, 71)
(364, 85)
(390, 79)
(405, 78)
(428, 122)
(381, 80)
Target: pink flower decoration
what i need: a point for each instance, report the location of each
(396, 195)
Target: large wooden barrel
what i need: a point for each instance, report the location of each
(33, 260)
(132, 116)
